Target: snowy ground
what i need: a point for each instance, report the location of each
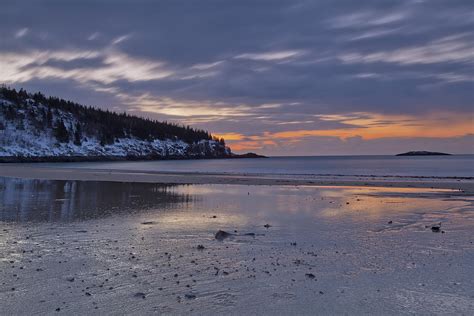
(128, 248)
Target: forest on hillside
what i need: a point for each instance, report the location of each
(105, 125)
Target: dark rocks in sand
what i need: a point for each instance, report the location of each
(221, 235)
(140, 295)
(190, 296)
(435, 228)
(148, 223)
(70, 279)
(267, 226)
(310, 275)
(390, 222)
(293, 243)
(200, 247)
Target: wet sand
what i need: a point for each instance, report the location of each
(39, 171)
(88, 247)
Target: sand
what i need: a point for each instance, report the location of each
(114, 247)
(30, 171)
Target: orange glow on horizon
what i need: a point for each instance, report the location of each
(364, 125)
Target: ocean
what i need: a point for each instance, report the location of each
(427, 166)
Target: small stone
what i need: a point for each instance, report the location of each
(190, 296)
(140, 295)
(221, 235)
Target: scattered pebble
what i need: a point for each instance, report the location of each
(140, 295)
(221, 235)
(190, 296)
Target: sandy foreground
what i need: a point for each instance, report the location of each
(125, 246)
(62, 173)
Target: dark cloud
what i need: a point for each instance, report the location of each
(309, 57)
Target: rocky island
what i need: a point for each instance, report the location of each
(423, 153)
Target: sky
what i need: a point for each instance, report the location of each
(296, 77)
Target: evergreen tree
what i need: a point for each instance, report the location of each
(78, 135)
(49, 118)
(60, 132)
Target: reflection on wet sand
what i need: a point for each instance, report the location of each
(45, 200)
(130, 248)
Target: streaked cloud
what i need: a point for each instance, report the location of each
(270, 56)
(21, 32)
(367, 18)
(93, 36)
(207, 66)
(456, 48)
(114, 66)
(120, 39)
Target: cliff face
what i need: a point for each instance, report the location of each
(33, 131)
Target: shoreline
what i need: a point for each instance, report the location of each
(108, 158)
(465, 184)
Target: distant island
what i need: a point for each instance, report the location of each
(36, 128)
(423, 153)
(247, 155)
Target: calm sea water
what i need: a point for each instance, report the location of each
(438, 166)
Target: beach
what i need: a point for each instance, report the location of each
(126, 242)
(51, 172)
(236, 158)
